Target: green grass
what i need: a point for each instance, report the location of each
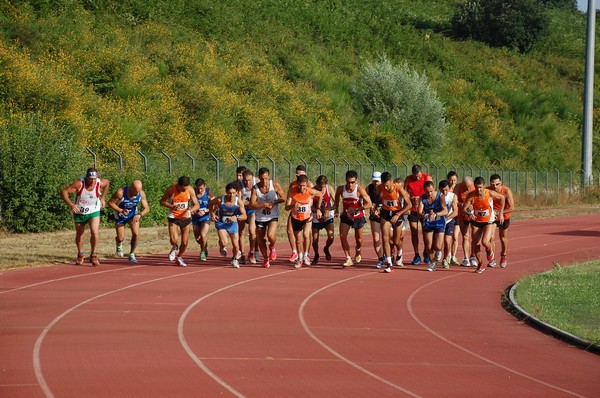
(567, 298)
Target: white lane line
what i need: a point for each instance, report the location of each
(189, 350)
(334, 352)
(37, 365)
(411, 311)
(70, 277)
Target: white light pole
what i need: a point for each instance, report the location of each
(588, 94)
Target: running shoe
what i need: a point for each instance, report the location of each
(503, 262)
(399, 262)
(132, 258)
(224, 252)
(327, 253)
(251, 258)
(173, 253)
(242, 259)
(94, 259)
(438, 255)
(465, 263)
(453, 260)
(432, 266)
(293, 257)
(446, 263)
(348, 262)
(180, 262)
(492, 264)
(307, 260)
(202, 256)
(358, 257)
(257, 256)
(80, 259)
(316, 259)
(298, 264)
(480, 269)
(380, 263)
(388, 269)
(474, 262)
(235, 263)
(416, 260)
(120, 252)
(490, 255)
(266, 263)
(427, 260)
(272, 253)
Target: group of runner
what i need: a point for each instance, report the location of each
(250, 206)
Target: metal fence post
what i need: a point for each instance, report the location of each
(145, 160)
(170, 161)
(120, 158)
(517, 178)
(305, 164)
(348, 164)
(258, 164)
(193, 161)
(570, 182)
(535, 182)
(272, 165)
(372, 165)
(93, 155)
(320, 166)
(289, 162)
(334, 172)
(557, 180)
(437, 177)
(360, 172)
(218, 167)
(405, 167)
(546, 170)
(237, 161)
(397, 171)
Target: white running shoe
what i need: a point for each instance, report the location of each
(474, 262)
(307, 260)
(181, 262)
(432, 266)
(438, 256)
(298, 264)
(132, 258)
(235, 263)
(503, 262)
(173, 253)
(465, 263)
(257, 256)
(388, 269)
(453, 260)
(120, 252)
(224, 252)
(492, 264)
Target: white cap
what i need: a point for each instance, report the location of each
(376, 176)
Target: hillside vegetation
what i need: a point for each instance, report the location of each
(274, 78)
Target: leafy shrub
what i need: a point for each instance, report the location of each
(402, 100)
(515, 24)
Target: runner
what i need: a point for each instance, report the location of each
(464, 222)
(452, 206)
(355, 202)
(266, 197)
(479, 207)
(325, 221)
(247, 184)
(300, 170)
(300, 201)
(433, 210)
(201, 218)
(226, 211)
(395, 203)
(89, 201)
(374, 217)
(452, 179)
(414, 185)
(177, 199)
(125, 204)
(509, 205)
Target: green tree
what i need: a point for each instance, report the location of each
(401, 100)
(517, 24)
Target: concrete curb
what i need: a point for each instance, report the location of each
(519, 312)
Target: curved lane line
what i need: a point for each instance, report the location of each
(412, 313)
(187, 347)
(70, 277)
(334, 352)
(39, 374)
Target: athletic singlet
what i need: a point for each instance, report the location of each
(352, 202)
(326, 206)
(262, 214)
(449, 199)
(506, 205)
(181, 204)
(246, 194)
(391, 201)
(203, 203)
(415, 188)
(226, 212)
(88, 201)
(302, 204)
(436, 206)
(127, 203)
(483, 208)
(461, 197)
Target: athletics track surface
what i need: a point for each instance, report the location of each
(155, 330)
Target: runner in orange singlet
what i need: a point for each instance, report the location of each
(300, 170)
(299, 201)
(479, 208)
(464, 223)
(509, 205)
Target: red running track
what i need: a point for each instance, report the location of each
(155, 330)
